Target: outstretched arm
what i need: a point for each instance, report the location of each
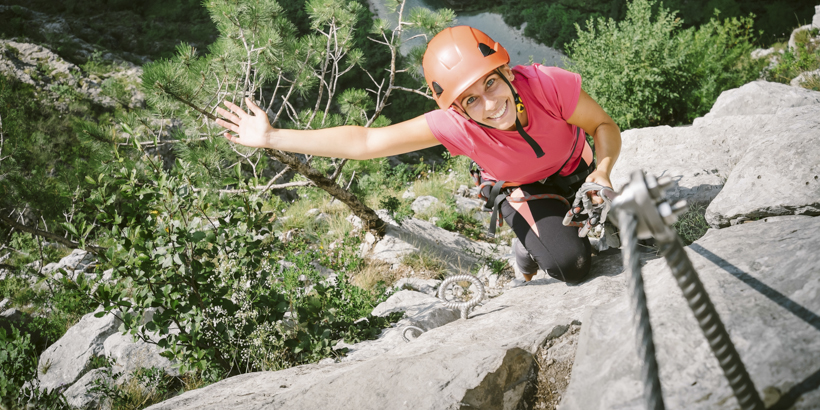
(254, 130)
(606, 134)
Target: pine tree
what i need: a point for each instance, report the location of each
(295, 78)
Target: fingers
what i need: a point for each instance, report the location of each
(230, 117)
(235, 108)
(255, 108)
(225, 124)
(230, 137)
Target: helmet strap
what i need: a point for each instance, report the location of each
(519, 107)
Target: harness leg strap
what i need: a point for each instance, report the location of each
(494, 217)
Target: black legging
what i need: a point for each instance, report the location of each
(558, 251)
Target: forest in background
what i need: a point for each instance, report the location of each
(94, 176)
(552, 22)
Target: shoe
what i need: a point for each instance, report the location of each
(517, 282)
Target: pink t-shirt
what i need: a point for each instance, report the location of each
(550, 95)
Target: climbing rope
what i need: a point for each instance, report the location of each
(643, 212)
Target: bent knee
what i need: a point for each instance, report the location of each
(572, 269)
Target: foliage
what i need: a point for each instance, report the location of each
(43, 155)
(647, 71)
(692, 225)
(426, 264)
(207, 267)
(551, 22)
(18, 365)
(462, 223)
(805, 58)
(138, 390)
(399, 210)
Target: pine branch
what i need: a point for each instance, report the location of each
(48, 235)
(370, 221)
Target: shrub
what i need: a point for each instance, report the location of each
(209, 268)
(806, 57)
(646, 70)
(18, 365)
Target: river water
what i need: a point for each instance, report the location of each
(521, 48)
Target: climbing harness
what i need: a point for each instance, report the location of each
(643, 212)
(501, 190)
(464, 307)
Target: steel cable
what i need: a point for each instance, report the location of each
(709, 321)
(646, 347)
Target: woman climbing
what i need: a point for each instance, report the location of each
(523, 126)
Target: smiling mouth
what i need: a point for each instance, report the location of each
(500, 113)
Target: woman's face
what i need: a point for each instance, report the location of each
(489, 101)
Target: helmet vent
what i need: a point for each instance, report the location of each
(437, 88)
(485, 49)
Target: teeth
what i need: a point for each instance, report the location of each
(502, 112)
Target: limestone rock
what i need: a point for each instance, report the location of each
(803, 77)
(748, 130)
(414, 235)
(74, 264)
(465, 204)
(65, 361)
(426, 286)
(78, 395)
(423, 203)
(777, 176)
(129, 355)
(767, 294)
(48, 72)
(484, 362)
(815, 21)
(408, 301)
(422, 311)
(761, 98)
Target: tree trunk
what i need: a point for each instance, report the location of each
(370, 221)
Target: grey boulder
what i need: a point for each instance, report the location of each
(760, 129)
(80, 396)
(69, 358)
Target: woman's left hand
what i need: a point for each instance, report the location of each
(601, 178)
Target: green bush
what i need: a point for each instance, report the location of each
(646, 70)
(210, 266)
(806, 57)
(18, 365)
(399, 210)
(692, 225)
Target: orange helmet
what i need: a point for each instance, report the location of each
(456, 58)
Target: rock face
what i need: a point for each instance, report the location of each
(751, 156)
(79, 396)
(485, 361)
(768, 296)
(48, 72)
(64, 362)
(128, 355)
(415, 235)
